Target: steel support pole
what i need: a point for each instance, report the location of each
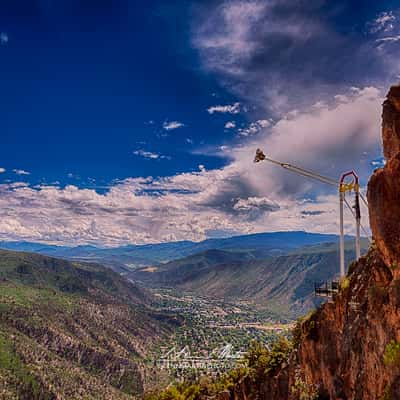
(341, 201)
(358, 241)
(358, 224)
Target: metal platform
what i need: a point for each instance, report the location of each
(326, 289)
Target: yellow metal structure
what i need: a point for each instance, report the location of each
(342, 187)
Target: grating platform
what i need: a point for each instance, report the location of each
(326, 289)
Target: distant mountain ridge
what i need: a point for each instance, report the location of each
(124, 258)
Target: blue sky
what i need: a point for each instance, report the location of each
(134, 122)
(84, 84)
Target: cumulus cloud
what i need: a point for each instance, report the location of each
(255, 207)
(254, 127)
(343, 135)
(133, 211)
(230, 125)
(284, 54)
(240, 197)
(171, 125)
(226, 109)
(21, 172)
(150, 155)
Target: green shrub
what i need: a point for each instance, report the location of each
(392, 354)
(182, 391)
(302, 389)
(344, 283)
(257, 356)
(386, 393)
(297, 332)
(262, 362)
(279, 354)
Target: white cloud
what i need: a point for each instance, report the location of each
(133, 211)
(150, 155)
(238, 39)
(231, 39)
(21, 172)
(341, 98)
(254, 127)
(171, 125)
(226, 109)
(230, 125)
(378, 163)
(252, 46)
(384, 22)
(2, 170)
(264, 123)
(4, 38)
(389, 39)
(319, 104)
(242, 197)
(330, 140)
(256, 203)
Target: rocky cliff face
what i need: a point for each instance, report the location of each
(391, 123)
(350, 347)
(384, 185)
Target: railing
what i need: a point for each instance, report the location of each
(326, 289)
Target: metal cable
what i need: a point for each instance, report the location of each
(304, 172)
(321, 178)
(363, 199)
(354, 215)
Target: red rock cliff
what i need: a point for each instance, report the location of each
(384, 185)
(349, 349)
(391, 123)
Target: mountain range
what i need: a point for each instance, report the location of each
(125, 258)
(275, 271)
(71, 328)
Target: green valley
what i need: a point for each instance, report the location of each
(73, 329)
